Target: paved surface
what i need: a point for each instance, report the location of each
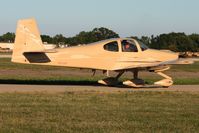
(5, 88)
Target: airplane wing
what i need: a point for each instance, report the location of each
(184, 61)
(139, 66)
(180, 61)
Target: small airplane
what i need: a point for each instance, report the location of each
(118, 54)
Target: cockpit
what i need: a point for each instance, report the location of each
(126, 45)
(129, 46)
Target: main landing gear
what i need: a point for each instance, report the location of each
(138, 83)
(111, 81)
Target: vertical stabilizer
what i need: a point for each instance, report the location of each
(27, 40)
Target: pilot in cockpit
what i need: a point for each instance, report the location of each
(128, 47)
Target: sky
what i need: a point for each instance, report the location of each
(126, 17)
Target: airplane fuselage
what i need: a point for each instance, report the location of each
(95, 56)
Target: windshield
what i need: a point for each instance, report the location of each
(143, 46)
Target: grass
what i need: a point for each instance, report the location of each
(99, 113)
(5, 53)
(187, 81)
(5, 63)
(186, 68)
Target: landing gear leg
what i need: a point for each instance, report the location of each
(111, 81)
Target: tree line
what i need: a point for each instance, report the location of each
(178, 42)
(97, 34)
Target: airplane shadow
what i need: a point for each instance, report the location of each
(48, 82)
(67, 82)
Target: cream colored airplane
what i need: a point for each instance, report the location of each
(118, 54)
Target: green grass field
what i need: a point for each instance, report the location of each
(99, 113)
(187, 68)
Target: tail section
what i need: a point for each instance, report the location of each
(27, 40)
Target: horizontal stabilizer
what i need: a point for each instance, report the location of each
(44, 51)
(36, 57)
